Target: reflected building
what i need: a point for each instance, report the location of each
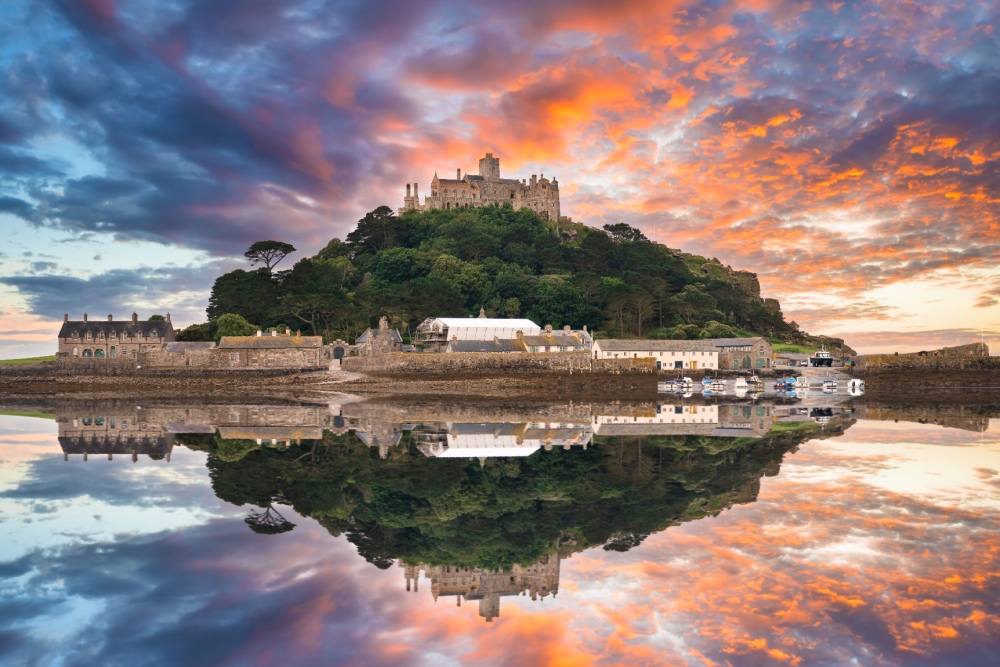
(498, 439)
(484, 586)
(737, 420)
(125, 433)
(151, 431)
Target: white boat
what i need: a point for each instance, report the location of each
(855, 387)
(741, 383)
(753, 379)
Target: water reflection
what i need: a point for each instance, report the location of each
(495, 508)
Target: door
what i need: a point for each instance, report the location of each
(338, 353)
(659, 365)
(678, 364)
(694, 364)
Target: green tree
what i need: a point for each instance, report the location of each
(268, 253)
(231, 324)
(375, 232)
(156, 318)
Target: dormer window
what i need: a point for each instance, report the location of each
(138, 334)
(114, 335)
(89, 335)
(153, 333)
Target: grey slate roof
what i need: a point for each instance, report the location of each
(639, 345)
(270, 342)
(162, 328)
(502, 345)
(735, 342)
(375, 333)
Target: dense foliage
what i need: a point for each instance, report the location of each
(509, 262)
(506, 511)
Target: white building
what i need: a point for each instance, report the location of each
(437, 332)
(669, 354)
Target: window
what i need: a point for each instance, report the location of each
(88, 353)
(112, 355)
(153, 333)
(234, 416)
(89, 335)
(234, 356)
(76, 352)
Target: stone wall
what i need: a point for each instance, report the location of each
(400, 363)
(879, 363)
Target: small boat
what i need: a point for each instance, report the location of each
(683, 384)
(740, 383)
(856, 387)
(753, 379)
(821, 358)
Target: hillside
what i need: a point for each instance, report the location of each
(512, 264)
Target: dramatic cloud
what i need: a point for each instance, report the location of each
(180, 290)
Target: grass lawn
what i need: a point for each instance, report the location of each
(792, 347)
(28, 360)
(22, 413)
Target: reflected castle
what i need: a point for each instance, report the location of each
(473, 584)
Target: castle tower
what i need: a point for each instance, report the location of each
(489, 167)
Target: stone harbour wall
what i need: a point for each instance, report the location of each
(401, 363)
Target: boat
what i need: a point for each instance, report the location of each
(821, 358)
(855, 387)
(753, 379)
(682, 384)
(740, 383)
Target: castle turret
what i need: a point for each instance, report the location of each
(489, 167)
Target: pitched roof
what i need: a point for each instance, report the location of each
(554, 338)
(501, 345)
(639, 345)
(451, 181)
(270, 342)
(735, 342)
(474, 177)
(162, 328)
(375, 333)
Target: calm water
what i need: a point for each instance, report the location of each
(389, 532)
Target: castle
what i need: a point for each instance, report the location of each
(539, 194)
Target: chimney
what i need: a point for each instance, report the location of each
(110, 319)
(258, 332)
(85, 317)
(407, 189)
(288, 331)
(66, 317)
(168, 316)
(415, 192)
(298, 333)
(548, 328)
(454, 337)
(567, 329)
(274, 332)
(584, 327)
(458, 174)
(519, 334)
(135, 318)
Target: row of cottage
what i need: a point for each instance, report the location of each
(153, 344)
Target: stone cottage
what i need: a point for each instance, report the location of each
(379, 341)
(273, 351)
(744, 353)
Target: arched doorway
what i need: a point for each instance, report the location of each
(88, 353)
(747, 363)
(99, 353)
(338, 353)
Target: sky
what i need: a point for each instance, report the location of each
(847, 152)
(878, 546)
